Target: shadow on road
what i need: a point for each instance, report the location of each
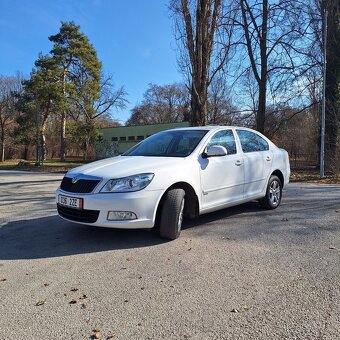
(54, 237)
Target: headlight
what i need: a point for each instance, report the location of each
(128, 184)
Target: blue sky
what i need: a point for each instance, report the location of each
(134, 38)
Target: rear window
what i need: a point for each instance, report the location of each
(251, 141)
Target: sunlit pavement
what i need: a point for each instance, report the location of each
(241, 273)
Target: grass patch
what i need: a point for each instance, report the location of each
(46, 166)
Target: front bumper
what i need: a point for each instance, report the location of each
(143, 203)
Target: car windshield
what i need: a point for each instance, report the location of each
(171, 143)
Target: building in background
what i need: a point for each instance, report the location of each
(114, 141)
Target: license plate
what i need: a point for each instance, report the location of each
(71, 202)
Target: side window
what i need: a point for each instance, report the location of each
(224, 138)
(251, 142)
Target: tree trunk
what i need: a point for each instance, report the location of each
(198, 111)
(86, 150)
(2, 142)
(37, 148)
(43, 148)
(63, 122)
(332, 115)
(42, 131)
(199, 42)
(2, 149)
(261, 110)
(26, 153)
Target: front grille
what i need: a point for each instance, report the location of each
(82, 186)
(77, 215)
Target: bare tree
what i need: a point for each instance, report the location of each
(276, 37)
(85, 109)
(9, 87)
(220, 109)
(201, 54)
(162, 104)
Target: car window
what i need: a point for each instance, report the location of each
(251, 142)
(224, 138)
(176, 143)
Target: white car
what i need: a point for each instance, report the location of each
(173, 174)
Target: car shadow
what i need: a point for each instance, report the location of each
(246, 208)
(54, 237)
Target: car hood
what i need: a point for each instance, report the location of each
(122, 166)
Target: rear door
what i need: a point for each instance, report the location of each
(257, 159)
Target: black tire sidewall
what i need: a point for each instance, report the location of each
(170, 214)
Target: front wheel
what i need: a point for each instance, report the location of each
(273, 194)
(172, 214)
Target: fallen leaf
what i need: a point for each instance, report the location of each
(128, 258)
(97, 335)
(126, 300)
(111, 335)
(40, 303)
(83, 306)
(3, 280)
(74, 289)
(331, 247)
(234, 310)
(46, 284)
(189, 249)
(224, 238)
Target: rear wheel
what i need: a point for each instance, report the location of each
(172, 214)
(273, 194)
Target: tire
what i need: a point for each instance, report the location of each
(273, 194)
(172, 214)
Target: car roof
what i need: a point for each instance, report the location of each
(211, 127)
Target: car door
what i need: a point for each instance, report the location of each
(222, 177)
(257, 158)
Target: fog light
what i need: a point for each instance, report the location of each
(121, 216)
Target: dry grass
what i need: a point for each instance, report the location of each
(313, 176)
(47, 166)
(298, 175)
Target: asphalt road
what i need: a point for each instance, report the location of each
(241, 273)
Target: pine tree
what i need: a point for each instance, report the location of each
(80, 70)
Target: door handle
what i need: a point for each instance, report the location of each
(238, 162)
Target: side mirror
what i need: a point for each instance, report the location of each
(214, 151)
